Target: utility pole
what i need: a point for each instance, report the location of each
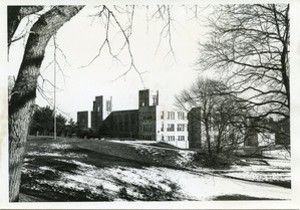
(54, 101)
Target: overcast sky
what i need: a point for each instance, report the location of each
(80, 40)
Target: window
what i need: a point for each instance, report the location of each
(180, 115)
(170, 127)
(162, 127)
(180, 138)
(171, 116)
(171, 138)
(108, 106)
(180, 127)
(147, 128)
(162, 115)
(147, 115)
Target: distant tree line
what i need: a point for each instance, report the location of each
(42, 123)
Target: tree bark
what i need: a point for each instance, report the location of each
(23, 96)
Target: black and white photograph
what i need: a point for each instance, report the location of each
(125, 103)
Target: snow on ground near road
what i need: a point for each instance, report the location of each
(261, 176)
(184, 185)
(260, 170)
(277, 153)
(207, 187)
(263, 165)
(56, 154)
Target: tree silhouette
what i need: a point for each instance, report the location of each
(222, 117)
(249, 46)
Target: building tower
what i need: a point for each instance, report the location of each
(147, 98)
(100, 111)
(143, 98)
(148, 102)
(97, 113)
(83, 119)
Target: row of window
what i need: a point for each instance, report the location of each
(172, 138)
(148, 115)
(171, 115)
(148, 127)
(171, 127)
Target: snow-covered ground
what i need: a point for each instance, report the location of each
(277, 153)
(172, 183)
(257, 169)
(60, 172)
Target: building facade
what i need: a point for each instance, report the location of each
(172, 127)
(121, 124)
(149, 121)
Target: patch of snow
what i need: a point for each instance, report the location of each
(56, 154)
(263, 165)
(262, 176)
(60, 146)
(79, 163)
(75, 155)
(35, 153)
(28, 159)
(46, 168)
(184, 157)
(206, 187)
(278, 153)
(283, 163)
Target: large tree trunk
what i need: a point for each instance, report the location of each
(24, 92)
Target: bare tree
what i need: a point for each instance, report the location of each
(221, 115)
(249, 46)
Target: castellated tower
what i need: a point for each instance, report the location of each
(148, 98)
(101, 109)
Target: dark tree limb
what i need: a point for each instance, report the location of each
(14, 16)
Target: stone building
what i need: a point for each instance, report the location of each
(121, 124)
(83, 120)
(150, 121)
